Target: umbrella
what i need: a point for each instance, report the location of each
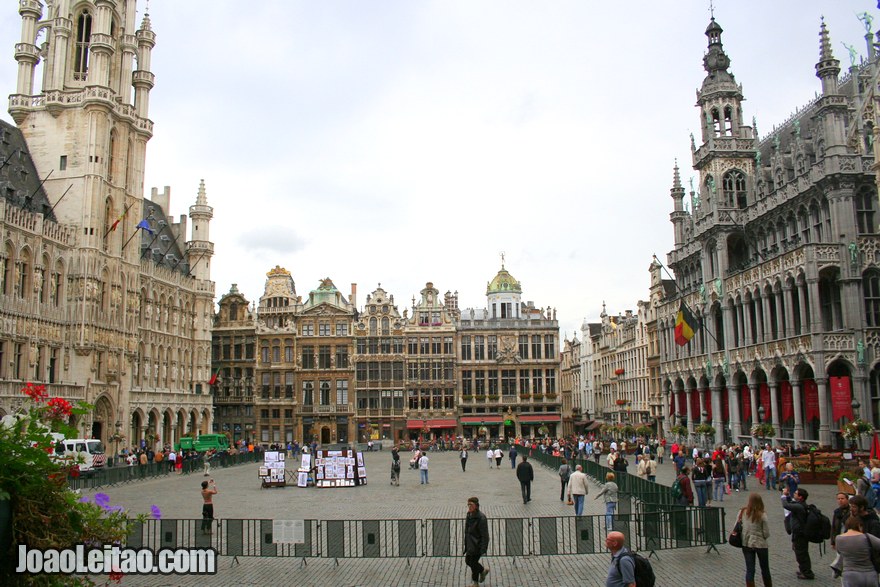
(875, 447)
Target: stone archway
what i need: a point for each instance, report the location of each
(103, 421)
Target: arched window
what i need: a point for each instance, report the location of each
(373, 327)
(871, 293)
(81, 54)
(716, 122)
(108, 222)
(386, 326)
(23, 280)
(864, 201)
(728, 121)
(816, 218)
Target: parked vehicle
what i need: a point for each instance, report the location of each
(87, 453)
(203, 443)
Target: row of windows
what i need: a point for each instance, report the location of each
(379, 346)
(380, 371)
(486, 347)
(384, 399)
(508, 381)
(429, 345)
(324, 329)
(431, 371)
(21, 362)
(324, 397)
(19, 278)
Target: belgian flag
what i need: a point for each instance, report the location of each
(685, 325)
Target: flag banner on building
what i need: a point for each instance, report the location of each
(725, 405)
(811, 400)
(118, 220)
(685, 325)
(682, 404)
(746, 399)
(215, 377)
(787, 401)
(764, 392)
(707, 403)
(695, 406)
(146, 226)
(841, 398)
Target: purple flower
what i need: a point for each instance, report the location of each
(84, 499)
(115, 508)
(156, 512)
(103, 500)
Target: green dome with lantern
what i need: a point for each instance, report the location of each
(504, 282)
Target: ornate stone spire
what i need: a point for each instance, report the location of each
(828, 67)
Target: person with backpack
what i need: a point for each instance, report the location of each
(866, 490)
(564, 475)
(858, 506)
(800, 543)
(628, 568)
(682, 490)
(755, 532)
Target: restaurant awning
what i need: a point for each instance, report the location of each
(594, 425)
(540, 418)
(442, 423)
(479, 420)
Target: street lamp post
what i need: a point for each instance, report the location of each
(855, 409)
(761, 412)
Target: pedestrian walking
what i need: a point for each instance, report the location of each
(526, 475)
(855, 548)
(719, 478)
(838, 526)
(499, 456)
(476, 541)
(564, 474)
(661, 452)
(700, 476)
(209, 490)
(423, 468)
(207, 461)
(512, 455)
(755, 532)
(622, 572)
(490, 456)
(395, 467)
(800, 544)
(578, 489)
(768, 463)
(609, 490)
(463, 455)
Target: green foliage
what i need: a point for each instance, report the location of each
(679, 430)
(705, 430)
(852, 430)
(763, 430)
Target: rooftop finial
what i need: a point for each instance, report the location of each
(502, 259)
(676, 177)
(711, 10)
(824, 42)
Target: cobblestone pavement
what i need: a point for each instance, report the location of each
(445, 496)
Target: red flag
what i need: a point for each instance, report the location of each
(811, 400)
(841, 395)
(214, 377)
(746, 396)
(787, 401)
(685, 325)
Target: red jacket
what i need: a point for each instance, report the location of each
(686, 488)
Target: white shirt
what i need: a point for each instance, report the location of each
(613, 445)
(696, 453)
(490, 454)
(423, 462)
(498, 453)
(769, 459)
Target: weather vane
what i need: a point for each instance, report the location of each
(502, 259)
(711, 9)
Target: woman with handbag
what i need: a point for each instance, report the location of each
(858, 552)
(754, 534)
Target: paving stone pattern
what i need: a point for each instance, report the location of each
(240, 496)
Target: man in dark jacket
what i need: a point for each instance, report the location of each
(858, 506)
(476, 540)
(838, 519)
(799, 541)
(525, 474)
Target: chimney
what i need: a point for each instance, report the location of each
(353, 298)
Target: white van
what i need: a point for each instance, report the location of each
(88, 453)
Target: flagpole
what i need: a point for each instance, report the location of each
(155, 236)
(134, 234)
(116, 223)
(59, 199)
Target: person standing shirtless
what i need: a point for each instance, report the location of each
(209, 490)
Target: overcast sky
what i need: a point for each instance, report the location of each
(400, 142)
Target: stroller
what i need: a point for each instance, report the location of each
(395, 472)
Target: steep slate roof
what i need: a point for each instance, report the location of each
(19, 181)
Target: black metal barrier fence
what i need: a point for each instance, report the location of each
(648, 495)
(680, 527)
(127, 474)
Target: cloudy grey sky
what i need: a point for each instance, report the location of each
(405, 141)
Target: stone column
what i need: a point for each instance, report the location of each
(789, 311)
(690, 416)
(717, 421)
(798, 414)
(766, 334)
(753, 395)
(815, 310)
(804, 310)
(774, 402)
(782, 322)
(824, 414)
(734, 415)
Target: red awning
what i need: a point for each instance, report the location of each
(484, 419)
(540, 418)
(452, 423)
(415, 424)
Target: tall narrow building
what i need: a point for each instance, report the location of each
(102, 300)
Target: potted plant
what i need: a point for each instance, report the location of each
(679, 430)
(705, 430)
(763, 430)
(467, 397)
(852, 430)
(493, 397)
(644, 430)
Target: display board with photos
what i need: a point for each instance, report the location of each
(340, 468)
(272, 473)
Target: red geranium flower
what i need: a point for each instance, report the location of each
(37, 393)
(59, 408)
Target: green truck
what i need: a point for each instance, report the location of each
(203, 443)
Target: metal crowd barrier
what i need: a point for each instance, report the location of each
(680, 527)
(127, 474)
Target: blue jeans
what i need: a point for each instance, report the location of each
(610, 506)
(770, 477)
(424, 475)
(701, 488)
(720, 483)
(513, 462)
(578, 504)
(763, 559)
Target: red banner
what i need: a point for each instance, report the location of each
(841, 398)
(707, 402)
(811, 399)
(682, 404)
(746, 401)
(764, 392)
(787, 401)
(671, 404)
(695, 407)
(725, 405)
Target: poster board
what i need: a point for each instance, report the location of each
(272, 473)
(340, 468)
